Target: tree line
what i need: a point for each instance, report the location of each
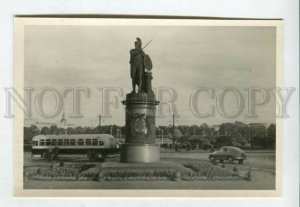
(235, 134)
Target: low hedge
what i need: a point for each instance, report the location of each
(191, 172)
(207, 171)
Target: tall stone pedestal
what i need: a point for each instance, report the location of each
(140, 140)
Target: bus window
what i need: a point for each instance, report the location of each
(72, 142)
(66, 142)
(42, 142)
(54, 142)
(95, 142)
(34, 143)
(80, 142)
(88, 142)
(48, 142)
(101, 143)
(60, 142)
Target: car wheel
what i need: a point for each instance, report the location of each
(213, 161)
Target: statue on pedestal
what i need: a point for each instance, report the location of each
(140, 141)
(140, 67)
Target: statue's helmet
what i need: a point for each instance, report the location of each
(138, 41)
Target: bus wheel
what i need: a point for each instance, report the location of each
(53, 156)
(92, 156)
(45, 155)
(55, 153)
(101, 157)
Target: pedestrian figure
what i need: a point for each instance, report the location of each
(212, 148)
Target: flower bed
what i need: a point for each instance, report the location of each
(139, 174)
(207, 171)
(190, 172)
(64, 173)
(141, 178)
(72, 173)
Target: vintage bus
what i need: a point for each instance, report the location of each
(94, 146)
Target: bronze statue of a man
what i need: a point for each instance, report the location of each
(136, 65)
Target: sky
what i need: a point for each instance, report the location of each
(184, 58)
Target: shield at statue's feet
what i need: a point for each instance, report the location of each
(147, 62)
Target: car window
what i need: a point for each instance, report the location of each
(221, 150)
(234, 152)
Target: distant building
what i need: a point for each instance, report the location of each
(40, 124)
(164, 140)
(63, 123)
(216, 129)
(63, 119)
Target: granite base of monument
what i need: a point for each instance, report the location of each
(140, 140)
(140, 153)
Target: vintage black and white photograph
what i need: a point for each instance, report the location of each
(161, 105)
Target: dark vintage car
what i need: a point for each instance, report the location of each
(230, 154)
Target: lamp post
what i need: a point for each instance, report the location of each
(99, 131)
(162, 136)
(173, 130)
(249, 135)
(118, 132)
